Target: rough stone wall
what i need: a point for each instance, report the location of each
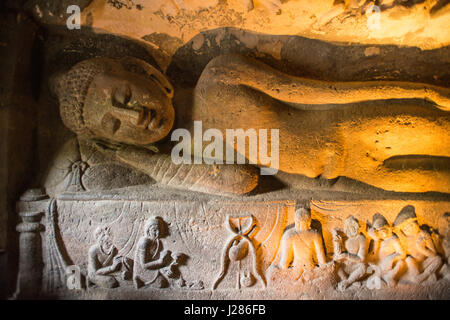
(17, 114)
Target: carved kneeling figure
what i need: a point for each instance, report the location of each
(156, 267)
(150, 258)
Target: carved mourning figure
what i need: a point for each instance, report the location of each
(350, 255)
(422, 260)
(301, 247)
(104, 263)
(118, 109)
(387, 254)
(151, 258)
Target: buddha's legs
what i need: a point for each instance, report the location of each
(387, 145)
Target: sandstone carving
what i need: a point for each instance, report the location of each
(239, 260)
(301, 249)
(324, 119)
(127, 120)
(409, 256)
(105, 266)
(156, 267)
(351, 255)
(225, 149)
(30, 258)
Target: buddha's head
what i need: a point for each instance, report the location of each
(124, 101)
(351, 227)
(381, 226)
(406, 221)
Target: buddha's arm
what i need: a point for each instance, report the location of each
(240, 70)
(215, 179)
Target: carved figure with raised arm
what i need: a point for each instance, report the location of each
(351, 254)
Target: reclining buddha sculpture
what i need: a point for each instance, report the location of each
(329, 129)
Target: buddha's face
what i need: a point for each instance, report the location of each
(127, 108)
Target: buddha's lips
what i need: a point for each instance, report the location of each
(147, 119)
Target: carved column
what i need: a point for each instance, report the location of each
(30, 247)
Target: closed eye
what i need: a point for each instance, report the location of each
(121, 96)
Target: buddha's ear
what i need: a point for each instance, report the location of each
(139, 66)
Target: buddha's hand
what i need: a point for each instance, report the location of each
(221, 179)
(107, 148)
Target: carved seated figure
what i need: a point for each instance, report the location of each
(387, 254)
(352, 257)
(104, 263)
(151, 258)
(301, 247)
(422, 260)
